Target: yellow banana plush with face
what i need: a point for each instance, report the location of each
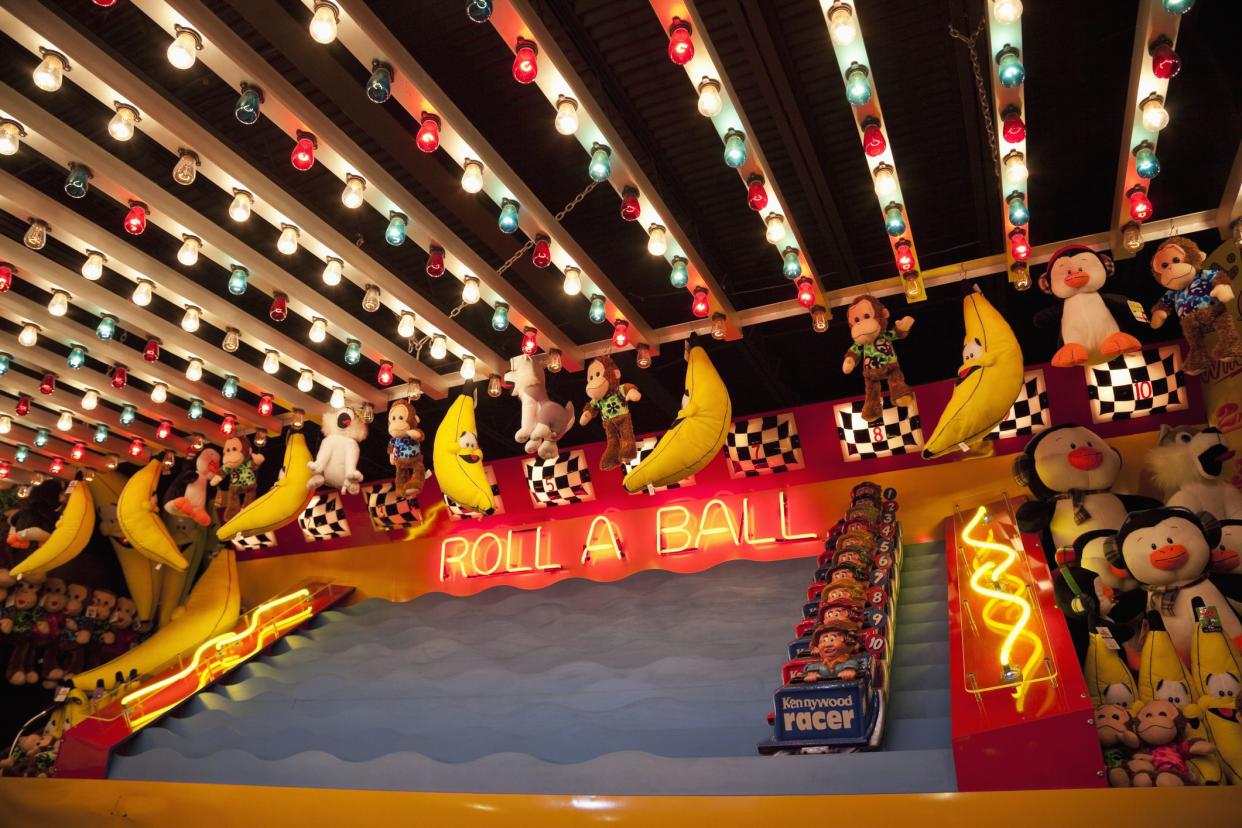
(141, 576)
(987, 383)
(459, 460)
(69, 537)
(1217, 670)
(140, 520)
(280, 504)
(697, 434)
(1108, 678)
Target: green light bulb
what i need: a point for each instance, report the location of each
(1178, 6)
(21, 453)
(857, 84)
(106, 329)
(196, 409)
(229, 389)
(247, 107)
(599, 311)
(735, 148)
(4, 364)
(101, 434)
(500, 317)
(601, 163)
(379, 87)
(78, 181)
(1009, 67)
(239, 280)
(894, 221)
(508, 221)
(395, 234)
(41, 437)
(790, 264)
(353, 352)
(679, 276)
(77, 357)
(1146, 164)
(1018, 214)
(127, 415)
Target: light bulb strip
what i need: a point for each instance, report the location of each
(855, 52)
(706, 63)
(1007, 99)
(43, 415)
(1153, 22)
(517, 18)
(367, 38)
(36, 462)
(19, 475)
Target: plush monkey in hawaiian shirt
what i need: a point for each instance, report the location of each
(609, 399)
(873, 345)
(1201, 300)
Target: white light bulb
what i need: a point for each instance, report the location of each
(332, 271)
(90, 400)
(467, 368)
(841, 26)
(159, 393)
(188, 254)
(59, 305)
(472, 176)
(439, 347)
(194, 370)
(566, 115)
(29, 335)
(92, 268)
(885, 181)
(182, 51)
(710, 102)
(470, 290)
(306, 381)
(288, 241)
(775, 224)
(121, 127)
(657, 240)
(239, 209)
(352, 195)
(338, 398)
(1155, 116)
(190, 320)
(318, 329)
(323, 23)
(405, 325)
(573, 281)
(1015, 168)
(143, 291)
(371, 299)
(6, 424)
(64, 422)
(10, 137)
(1007, 11)
(50, 72)
(271, 362)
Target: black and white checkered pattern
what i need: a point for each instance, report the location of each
(645, 446)
(264, 540)
(1029, 414)
(1137, 385)
(324, 518)
(458, 512)
(558, 482)
(763, 445)
(899, 431)
(390, 510)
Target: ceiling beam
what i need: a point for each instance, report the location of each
(40, 417)
(22, 473)
(1004, 98)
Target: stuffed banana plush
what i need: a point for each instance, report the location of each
(1216, 667)
(459, 460)
(72, 532)
(280, 504)
(1108, 678)
(140, 520)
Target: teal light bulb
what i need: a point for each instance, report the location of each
(857, 84)
(379, 85)
(735, 148)
(247, 107)
(4, 364)
(599, 311)
(395, 234)
(500, 317)
(1178, 6)
(77, 357)
(1009, 67)
(894, 221)
(601, 163)
(41, 437)
(1018, 214)
(1146, 164)
(127, 415)
(106, 329)
(101, 434)
(229, 389)
(508, 221)
(239, 280)
(791, 266)
(21, 453)
(353, 352)
(679, 276)
(78, 181)
(196, 409)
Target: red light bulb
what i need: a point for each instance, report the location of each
(136, 218)
(873, 139)
(525, 61)
(6, 276)
(1013, 129)
(680, 46)
(701, 304)
(1140, 205)
(265, 405)
(23, 406)
(119, 376)
(806, 291)
(1019, 248)
(4, 469)
(620, 334)
(541, 255)
(435, 261)
(303, 156)
(905, 256)
(630, 208)
(56, 466)
(530, 341)
(228, 425)
(136, 447)
(280, 308)
(384, 377)
(77, 452)
(151, 353)
(1165, 62)
(428, 138)
(164, 430)
(105, 4)
(48, 385)
(756, 194)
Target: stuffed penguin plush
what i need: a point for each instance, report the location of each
(188, 495)
(1089, 332)
(1168, 551)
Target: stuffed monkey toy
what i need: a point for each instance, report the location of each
(609, 399)
(75, 635)
(1200, 298)
(405, 450)
(236, 481)
(873, 344)
(19, 620)
(1163, 750)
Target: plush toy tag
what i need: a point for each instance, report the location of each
(62, 693)
(1209, 620)
(1137, 310)
(92, 612)
(1106, 635)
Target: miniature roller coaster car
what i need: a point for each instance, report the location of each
(833, 716)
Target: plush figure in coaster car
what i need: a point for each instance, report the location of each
(18, 621)
(835, 645)
(187, 495)
(33, 521)
(1200, 299)
(544, 422)
(336, 463)
(236, 481)
(1163, 749)
(1167, 550)
(843, 594)
(1190, 466)
(609, 399)
(1115, 727)
(873, 346)
(1089, 332)
(405, 448)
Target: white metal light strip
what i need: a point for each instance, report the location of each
(37, 460)
(1007, 101)
(43, 415)
(39, 418)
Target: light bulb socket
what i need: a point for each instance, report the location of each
(523, 43)
(708, 83)
(597, 146)
(21, 130)
(178, 30)
(1137, 188)
(1140, 146)
(1007, 49)
(377, 64)
(301, 134)
(250, 87)
(135, 203)
(119, 105)
(1162, 40)
(397, 214)
(44, 52)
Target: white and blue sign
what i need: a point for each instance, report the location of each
(827, 713)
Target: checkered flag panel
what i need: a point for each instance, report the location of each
(1029, 414)
(763, 445)
(558, 482)
(458, 512)
(250, 543)
(1137, 385)
(645, 446)
(324, 518)
(390, 510)
(898, 431)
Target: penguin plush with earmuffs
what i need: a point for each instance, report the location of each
(1070, 472)
(1089, 331)
(1168, 551)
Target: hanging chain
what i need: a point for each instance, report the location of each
(531, 242)
(979, 86)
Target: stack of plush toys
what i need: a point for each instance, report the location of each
(1150, 589)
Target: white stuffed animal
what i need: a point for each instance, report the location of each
(544, 422)
(1190, 464)
(336, 464)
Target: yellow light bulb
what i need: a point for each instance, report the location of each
(323, 22)
(470, 290)
(885, 181)
(338, 398)
(467, 368)
(405, 325)
(182, 52)
(288, 241)
(159, 392)
(573, 281)
(194, 370)
(657, 240)
(439, 347)
(10, 137)
(271, 362)
(306, 381)
(710, 102)
(90, 400)
(190, 320)
(64, 422)
(29, 335)
(49, 74)
(92, 268)
(775, 224)
(143, 291)
(352, 195)
(841, 26)
(188, 254)
(121, 127)
(566, 115)
(472, 176)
